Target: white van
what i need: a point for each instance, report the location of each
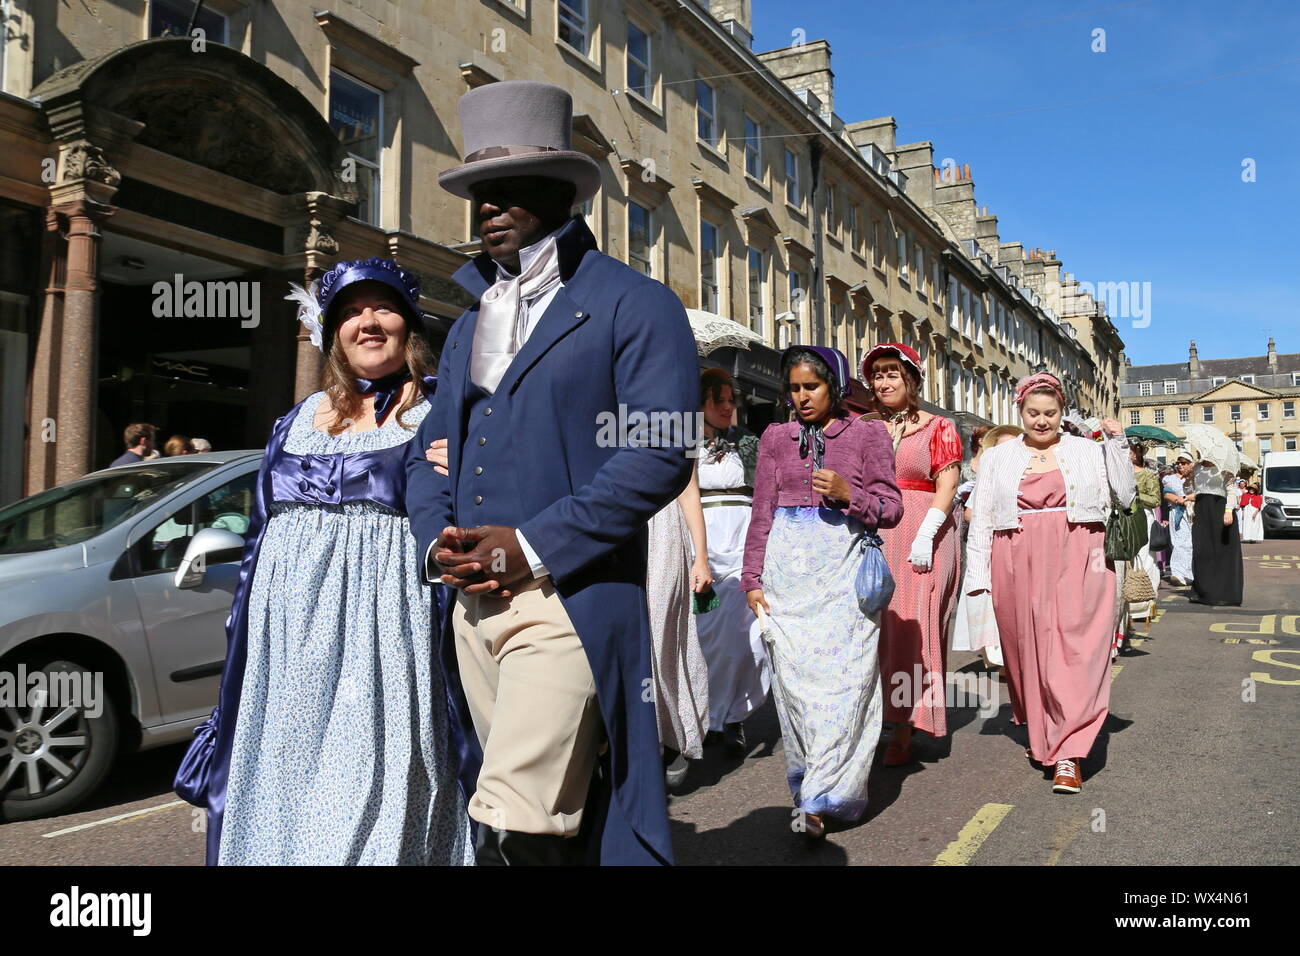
(1281, 490)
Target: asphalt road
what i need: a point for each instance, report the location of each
(1196, 765)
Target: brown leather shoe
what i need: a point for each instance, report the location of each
(1068, 777)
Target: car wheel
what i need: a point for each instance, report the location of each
(53, 752)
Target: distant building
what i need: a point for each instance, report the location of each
(1251, 400)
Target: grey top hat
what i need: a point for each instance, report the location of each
(519, 128)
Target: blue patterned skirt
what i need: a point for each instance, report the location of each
(823, 651)
(341, 754)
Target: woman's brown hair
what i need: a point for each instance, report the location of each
(338, 379)
(884, 364)
(712, 382)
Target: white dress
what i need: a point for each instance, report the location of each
(730, 636)
(681, 680)
(1252, 524)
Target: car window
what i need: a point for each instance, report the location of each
(228, 507)
(81, 509)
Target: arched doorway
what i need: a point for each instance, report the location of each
(191, 187)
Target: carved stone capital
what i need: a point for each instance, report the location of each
(83, 160)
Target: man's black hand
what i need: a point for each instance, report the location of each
(482, 560)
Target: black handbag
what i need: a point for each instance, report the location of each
(1158, 537)
(1126, 530)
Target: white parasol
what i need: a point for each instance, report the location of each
(1213, 446)
(713, 332)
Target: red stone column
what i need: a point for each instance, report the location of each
(79, 341)
(43, 394)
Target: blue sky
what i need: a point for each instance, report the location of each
(1133, 188)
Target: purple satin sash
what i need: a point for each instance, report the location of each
(375, 476)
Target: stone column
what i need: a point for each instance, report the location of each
(320, 212)
(42, 409)
(79, 345)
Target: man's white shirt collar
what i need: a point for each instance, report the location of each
(526, 256)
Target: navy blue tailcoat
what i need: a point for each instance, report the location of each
(611, 337)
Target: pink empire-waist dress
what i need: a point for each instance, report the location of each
(914, 627)
(1054, 601)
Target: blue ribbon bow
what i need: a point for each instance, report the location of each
(387, 388)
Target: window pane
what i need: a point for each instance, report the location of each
(709, 267)
(638, 61)
(756, 279)
(573, 24)
(639, 238)
(638, 44)
(752, 156)
(705, 126)
(354, 116)
(171, 17)
(367, 208)
(638, 79)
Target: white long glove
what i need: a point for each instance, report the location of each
(923, 545)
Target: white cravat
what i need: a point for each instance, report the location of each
(531, 296)
(505, 319)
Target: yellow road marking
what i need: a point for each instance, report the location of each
(972, 836)
(1114, 671)
(1065, 834)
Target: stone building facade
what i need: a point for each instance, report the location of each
(1252, 400)
(288, 136)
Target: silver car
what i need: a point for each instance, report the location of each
(114, 592)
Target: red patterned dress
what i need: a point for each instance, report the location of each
(914, 628)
